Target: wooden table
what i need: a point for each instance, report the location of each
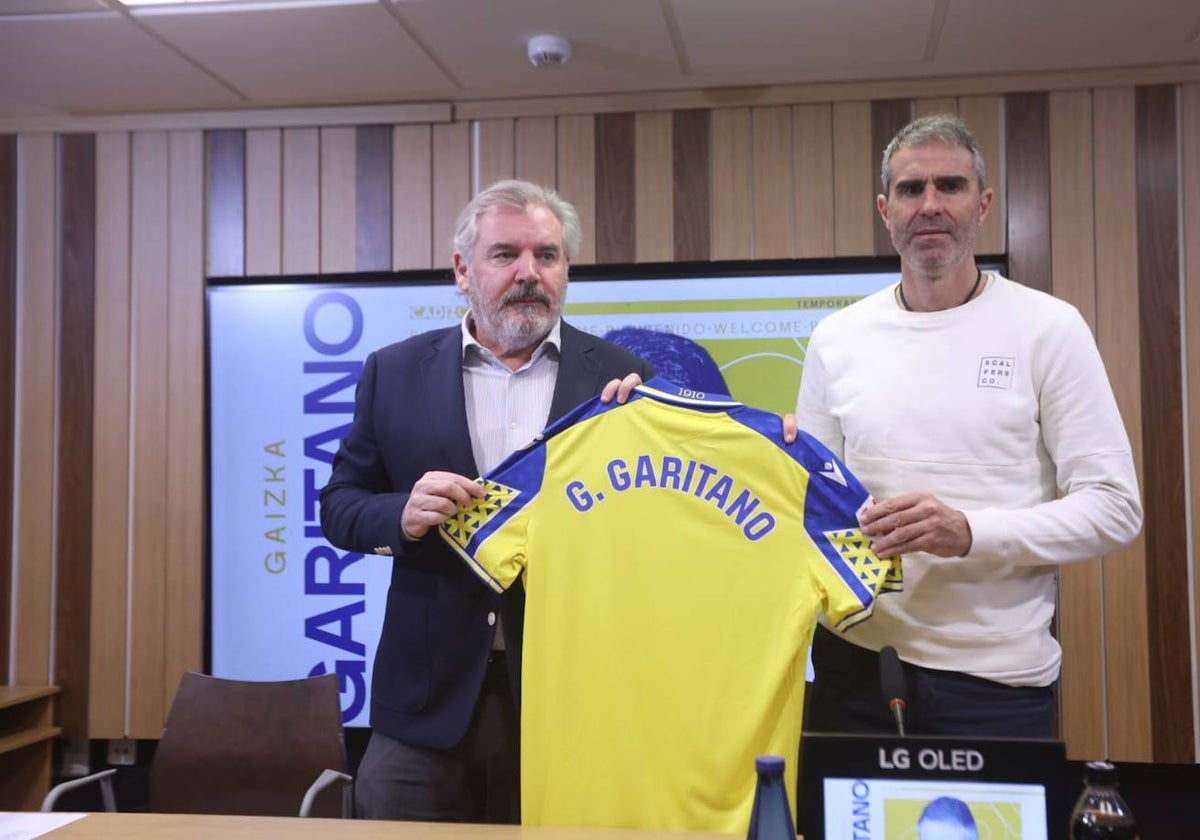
(187, 826)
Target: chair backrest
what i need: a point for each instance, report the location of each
(251, 748)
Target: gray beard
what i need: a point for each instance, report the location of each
(512, 332)
(517, 334)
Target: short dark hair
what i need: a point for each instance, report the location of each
(948, 809)
(676, 358)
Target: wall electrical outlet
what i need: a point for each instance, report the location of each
(122, 751)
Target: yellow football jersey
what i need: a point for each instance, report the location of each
(675, 553)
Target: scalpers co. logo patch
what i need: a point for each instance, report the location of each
(996, 372)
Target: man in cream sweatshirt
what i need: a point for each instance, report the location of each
(979, 414)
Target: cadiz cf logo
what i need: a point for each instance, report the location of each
(464, 524)
(854, 549)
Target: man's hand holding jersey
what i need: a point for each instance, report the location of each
(917, 521)
(438, 495)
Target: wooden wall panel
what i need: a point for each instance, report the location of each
(1126, 651)
(495, 152)
(33, 519)
(264, 202)
(691, 194)
(888, 116)
(615, 200)
(984, 116)
(337, 199)
(183, 625)
(537, 150)
(813, 153)
(451, 184)
(111, 445)
(925, 106)
(854, 179)
(301, 201)
(412, 198)
(73, 529)
(772, 182)
(1072, 249)
(1171, 677)
(1027, 169)
(1072, 244)
(1190, 163)
(373, 198)
(576, 175)
(226, 167)
(152, 229)
(654, 229)
(732, 186)
(8, 374)
(148, 427)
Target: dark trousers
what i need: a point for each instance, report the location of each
(477, 781)
(846, 697)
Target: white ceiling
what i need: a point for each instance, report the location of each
(91, 57)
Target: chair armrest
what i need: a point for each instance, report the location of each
(323, 781)
(104, 777)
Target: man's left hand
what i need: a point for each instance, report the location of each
(620, 389)
(917, 521)
(790, 428)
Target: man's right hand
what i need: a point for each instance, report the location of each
(918, 521)
(435, 498)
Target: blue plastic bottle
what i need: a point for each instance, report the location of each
(771, 818)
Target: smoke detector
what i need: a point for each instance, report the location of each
(549, 50)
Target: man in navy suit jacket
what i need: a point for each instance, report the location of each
(431, 414)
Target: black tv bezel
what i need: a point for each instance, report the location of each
(827, 755)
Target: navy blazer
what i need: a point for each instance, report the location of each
(410, 417)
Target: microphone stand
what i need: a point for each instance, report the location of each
(895, 687)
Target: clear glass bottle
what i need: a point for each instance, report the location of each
(771, 818)
(1100, 811)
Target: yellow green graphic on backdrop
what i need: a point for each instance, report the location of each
(759, 344)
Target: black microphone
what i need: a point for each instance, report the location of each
(895, 688)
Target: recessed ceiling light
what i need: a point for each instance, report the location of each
(165, 2)
(239, 2)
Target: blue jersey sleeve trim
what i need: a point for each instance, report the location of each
(833, 500)
(509, 489)
(479, 571)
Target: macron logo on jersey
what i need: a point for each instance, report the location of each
(831, 470)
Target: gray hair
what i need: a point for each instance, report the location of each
(947, 129)
(518, 195)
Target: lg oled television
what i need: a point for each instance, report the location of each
(860, 786)
(284, 355)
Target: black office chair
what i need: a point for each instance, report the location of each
(247, 748)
